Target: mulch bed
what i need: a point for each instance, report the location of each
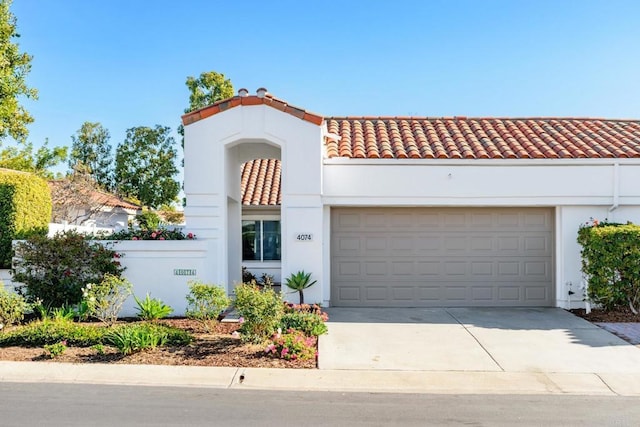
(215, 348)
(619, 315)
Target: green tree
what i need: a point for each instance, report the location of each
(145, 166)
(14, 67)
(23, 157)
(91, 148)
(207, 89)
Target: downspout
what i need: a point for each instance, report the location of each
(616, 187)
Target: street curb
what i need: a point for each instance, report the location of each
(422, 382)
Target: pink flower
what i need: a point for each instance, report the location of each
(134, 238)
(161, 238)
(190, 236)
(271, 348)
(153, 235)
(284, 352)
(241, 320)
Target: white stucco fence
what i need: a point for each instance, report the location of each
(163, 269)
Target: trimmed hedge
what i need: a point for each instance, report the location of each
(25, 209)
(611, 263)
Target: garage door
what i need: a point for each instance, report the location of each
(441, 257)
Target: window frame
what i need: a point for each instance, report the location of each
(262, 218)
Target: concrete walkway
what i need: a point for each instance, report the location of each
(443, 382)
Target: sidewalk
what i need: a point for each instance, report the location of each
(443, 382)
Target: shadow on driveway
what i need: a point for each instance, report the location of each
(471, 339)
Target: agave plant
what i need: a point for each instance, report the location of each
(299, 282)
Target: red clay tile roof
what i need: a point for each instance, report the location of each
(482, 138)
(100, 197)
(260, 183)
(269, 100)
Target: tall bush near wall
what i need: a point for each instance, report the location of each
(611, 263)
(25, 209)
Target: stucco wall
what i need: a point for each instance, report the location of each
(214, 149)
(156, 267)
(578, 190)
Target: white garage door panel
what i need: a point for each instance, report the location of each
(442, 257)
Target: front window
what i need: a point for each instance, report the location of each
(260, 240)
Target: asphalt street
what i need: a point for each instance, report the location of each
(101, 405)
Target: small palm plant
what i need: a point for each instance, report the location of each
(299, 282)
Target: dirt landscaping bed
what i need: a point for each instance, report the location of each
(619, 315)
(219, 348)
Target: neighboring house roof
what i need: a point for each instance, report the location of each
(114, 201)
(102, 198)
(260, 183)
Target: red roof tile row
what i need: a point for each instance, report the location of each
(484, 138)
(260, 182)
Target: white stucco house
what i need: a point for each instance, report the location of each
(404, 211)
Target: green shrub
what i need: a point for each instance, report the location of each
(292, 345)
(133, 338)
(105, 299)
(611, 263)
(54, 270)
(54, 350)
(310, 324)
(261, 310)
(25, 209)
(152, 308)
(12, 307)
(137, 337)
(43, 332)
(148, 220)
(205, 302)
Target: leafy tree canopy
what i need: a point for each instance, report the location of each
(91, 149)
(24, 157)
(145, 166)
(207, 89)
(14, 67)
(210, 87)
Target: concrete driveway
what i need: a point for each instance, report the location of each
(472, 339)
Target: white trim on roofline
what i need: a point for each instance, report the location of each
(481, 162)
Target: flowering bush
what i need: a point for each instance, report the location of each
(292, 345)
(306, 308)
(310, 324)
(156, 234)
(54, 270)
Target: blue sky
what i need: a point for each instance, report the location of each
(124, 63)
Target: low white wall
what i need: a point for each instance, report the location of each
(6, 279)
(55, 228)
(163, 269)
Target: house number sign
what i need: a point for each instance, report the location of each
(304, 237)
(184, 271)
